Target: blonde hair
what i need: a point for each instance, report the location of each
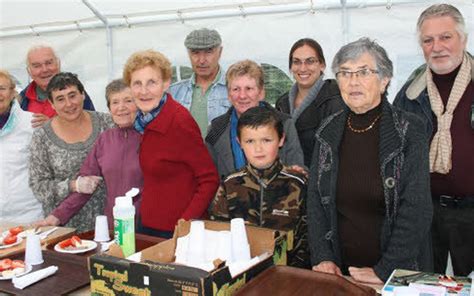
(245, 67)
(142, 59)
(7, 76)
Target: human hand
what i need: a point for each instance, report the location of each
(87, 184)
(38, 120)
(48, 221)
(328, 267)
(299, 169)
(365, 275)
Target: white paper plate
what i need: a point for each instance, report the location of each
(91, 245)
(18, 241)
(28, 268)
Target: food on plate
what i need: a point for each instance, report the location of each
(5, 264)
(73, 243)
(76, 241)
(16, 230)
(8, 239)
(65, 243)
(18, 264)
(10, 268)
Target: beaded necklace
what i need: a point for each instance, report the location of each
(360, 131)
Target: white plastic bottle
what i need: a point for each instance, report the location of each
(124, 222)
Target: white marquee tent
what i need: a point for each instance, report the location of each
(94, 37)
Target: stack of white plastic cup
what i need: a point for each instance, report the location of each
(240, 244)
(211, 238)
(101, 233)
(196, 253)
(33, 254)
(224, 246)
(181, 251)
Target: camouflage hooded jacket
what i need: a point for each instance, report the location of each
(272, 198)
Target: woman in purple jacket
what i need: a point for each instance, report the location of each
(114, 158)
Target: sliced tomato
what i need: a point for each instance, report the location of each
(10, 239)
(5, 264)
(76, 241)
(16, 230)
(18, 264)
(65, 243)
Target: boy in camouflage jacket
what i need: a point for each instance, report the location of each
(265, 193)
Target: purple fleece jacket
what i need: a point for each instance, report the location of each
(115, 158)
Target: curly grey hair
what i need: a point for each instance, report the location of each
(354, 50)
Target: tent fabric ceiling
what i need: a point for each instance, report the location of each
(22, 15)
(54, 12)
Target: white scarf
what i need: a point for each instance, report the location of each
(441, 145)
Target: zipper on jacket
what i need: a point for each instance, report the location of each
(122, 160)
(262, 187)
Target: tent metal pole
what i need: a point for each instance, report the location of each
(108, 32)
(344, 20)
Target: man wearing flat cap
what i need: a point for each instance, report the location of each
(205, 93)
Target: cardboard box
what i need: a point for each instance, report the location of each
(156, 274)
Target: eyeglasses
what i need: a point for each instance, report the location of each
(362, 73)
(308, 62)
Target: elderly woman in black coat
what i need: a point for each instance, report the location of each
(369, 204)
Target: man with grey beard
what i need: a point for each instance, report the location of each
(442, 93)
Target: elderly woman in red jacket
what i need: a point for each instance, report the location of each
(180, 178)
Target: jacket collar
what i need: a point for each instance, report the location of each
(391, 132)
(332, 128)
(31, 91)
(265, 176)
(418, 84)
(219, 79)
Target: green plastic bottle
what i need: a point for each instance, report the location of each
(124, 224)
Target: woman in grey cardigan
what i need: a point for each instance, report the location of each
(59, 147)
(369, 204)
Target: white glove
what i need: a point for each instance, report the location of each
(87, 184)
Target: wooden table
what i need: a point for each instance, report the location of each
(72, 274)
(285, 280)
(278, 280)
(141, 242)
(58, 235)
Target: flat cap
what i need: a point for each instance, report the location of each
(202, 39)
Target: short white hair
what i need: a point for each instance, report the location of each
(38, 47)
